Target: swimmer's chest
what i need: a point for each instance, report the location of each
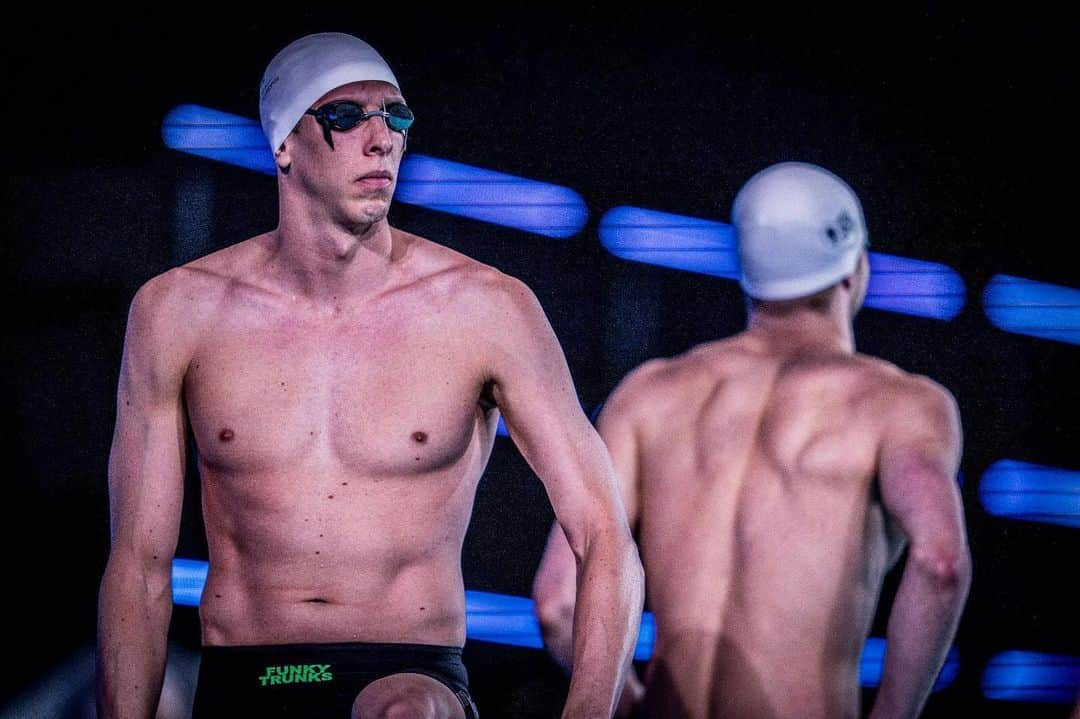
(371, 397)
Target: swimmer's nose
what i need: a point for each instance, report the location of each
(380, 139)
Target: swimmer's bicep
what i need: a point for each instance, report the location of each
(918, 461)
(525, 360)
(146, 470)
(531, 381)
(147, 458)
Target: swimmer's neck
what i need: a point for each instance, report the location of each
(328, 262)
(802, 327)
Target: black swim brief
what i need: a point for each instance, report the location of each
(313, 681)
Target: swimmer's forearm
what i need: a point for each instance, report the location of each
(133, 621)
(606, 621)
(921, 628)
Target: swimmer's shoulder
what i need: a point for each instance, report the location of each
(899, 394)
(662, 388)
(229, 265)
(446, 271)
(183, 298)
(481, 293)
(209, 277)
(163, 319)
(640, 388)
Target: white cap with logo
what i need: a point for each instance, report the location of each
(799, 229)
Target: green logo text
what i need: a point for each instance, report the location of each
(296, 674)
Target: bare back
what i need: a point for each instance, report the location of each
(762, 538)
(339, 450)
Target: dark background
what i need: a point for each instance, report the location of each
(955, 129)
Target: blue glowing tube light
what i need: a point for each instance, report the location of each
(188, 579)
(677, 241)
(216, 135)
(1032, 492)
(1021, 676)
(480, 194)
(1038, 309)
(914, 287)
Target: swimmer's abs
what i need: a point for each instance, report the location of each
(275, 617)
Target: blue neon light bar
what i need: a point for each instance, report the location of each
(646, 637)
(897, 284)
(872, 663)
(453, 187)
(677, 241)
(188, 578)
(502, 619)
(914, 287)
(1018, 490)
(490, 196)
(1038, 309)
(216, 135)
(1020, 676)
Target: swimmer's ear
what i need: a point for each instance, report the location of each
(282, 158)
(863, 265)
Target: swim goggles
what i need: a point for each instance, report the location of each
(343, 115)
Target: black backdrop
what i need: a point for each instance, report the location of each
(956, 130)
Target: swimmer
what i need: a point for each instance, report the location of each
(343, 380)
(773, 479)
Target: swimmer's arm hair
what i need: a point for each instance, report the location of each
(918, 462)
(555, 586)
(146, 472)
(535, 393)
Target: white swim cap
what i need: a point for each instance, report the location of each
(308, 68)
(799, 229)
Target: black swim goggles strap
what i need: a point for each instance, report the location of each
(343, 115)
